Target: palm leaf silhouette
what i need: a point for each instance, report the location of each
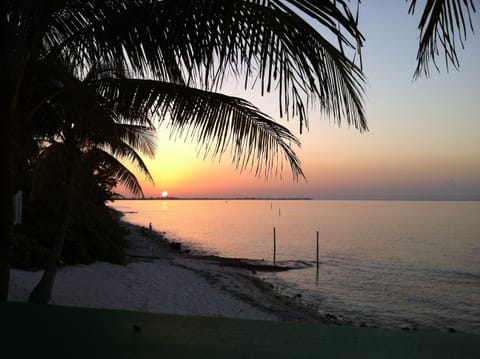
(443, 24)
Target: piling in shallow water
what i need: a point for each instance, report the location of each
(274, 245)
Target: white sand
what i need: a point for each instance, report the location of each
(170, 283)
(159, 287)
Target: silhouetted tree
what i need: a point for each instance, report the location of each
(76, 127)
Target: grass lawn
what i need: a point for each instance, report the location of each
(36, 331)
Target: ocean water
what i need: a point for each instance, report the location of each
(383, 263)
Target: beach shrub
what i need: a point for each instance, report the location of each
(33, 238)
(28, 252)
(94, 234)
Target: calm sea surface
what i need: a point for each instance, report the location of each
(385, 263)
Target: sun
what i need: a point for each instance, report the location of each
(164, 194)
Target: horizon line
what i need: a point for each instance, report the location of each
(294, 198)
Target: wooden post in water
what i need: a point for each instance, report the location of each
(274, 245)
(317, 249)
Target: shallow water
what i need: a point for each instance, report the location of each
(385, 263)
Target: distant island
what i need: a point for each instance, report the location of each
(216, 198)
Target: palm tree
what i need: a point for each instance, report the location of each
(73, 163)
(188, 44)
(75, 127)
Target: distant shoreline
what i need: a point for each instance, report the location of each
(289, 199)
(218, 199)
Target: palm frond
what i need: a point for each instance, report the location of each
(121, 173)
(271, 42)
(91, 33)
(51, 164)
(140, 138)
(443, 24)
(88, 115)
(118, 148)
(199, 41)
(218, 122)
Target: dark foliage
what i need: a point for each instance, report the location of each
(94, 234)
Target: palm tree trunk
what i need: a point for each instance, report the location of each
(6, 204)
(42, 293)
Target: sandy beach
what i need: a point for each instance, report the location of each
(160, 279)
(203, 290)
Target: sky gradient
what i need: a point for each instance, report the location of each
(423, 142)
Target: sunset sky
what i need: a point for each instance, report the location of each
(423, 143)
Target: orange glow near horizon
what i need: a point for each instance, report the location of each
(338, 162)
(186, 175)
